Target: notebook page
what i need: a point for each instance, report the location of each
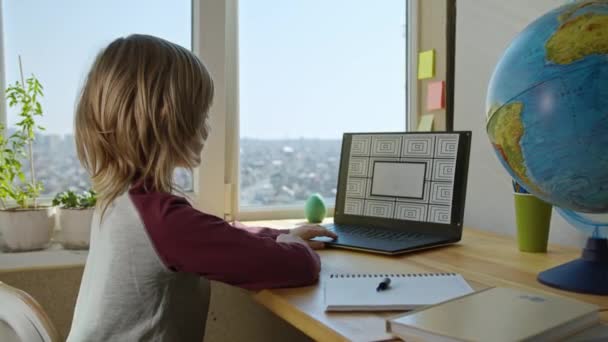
(407, 291)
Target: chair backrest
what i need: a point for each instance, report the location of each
(7, 333)
(23, 317)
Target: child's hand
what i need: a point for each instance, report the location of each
(308, 232)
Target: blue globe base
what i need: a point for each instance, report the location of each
(589, 274)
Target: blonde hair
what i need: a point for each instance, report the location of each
(142, 112)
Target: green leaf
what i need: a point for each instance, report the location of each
(13, 150)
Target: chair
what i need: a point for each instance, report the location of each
(22, 318)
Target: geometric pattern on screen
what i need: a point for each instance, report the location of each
(402, 176)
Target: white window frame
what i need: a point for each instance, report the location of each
(199, 10)
(2, 85)
(232, 164)
(210, 41)
(411, 94)
(215, 41)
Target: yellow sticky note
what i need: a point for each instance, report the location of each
(426, 123)
(426, 64)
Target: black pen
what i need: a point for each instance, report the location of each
(384, 285)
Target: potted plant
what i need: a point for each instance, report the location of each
(75, 212)
(24, 224)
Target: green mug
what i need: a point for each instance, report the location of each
(533, 218)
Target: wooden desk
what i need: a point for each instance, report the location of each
(484, 259)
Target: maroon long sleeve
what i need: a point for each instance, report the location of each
(188, 240)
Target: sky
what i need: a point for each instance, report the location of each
(308, 68)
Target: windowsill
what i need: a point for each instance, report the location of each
(282, 224)
(52, 257)
(275, 213)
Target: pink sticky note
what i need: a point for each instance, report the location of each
(435, 97)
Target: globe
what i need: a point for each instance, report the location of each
(592, 224)
(547, 108)
(547, 119)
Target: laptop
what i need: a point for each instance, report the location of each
(400, 192)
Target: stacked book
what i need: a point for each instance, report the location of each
(501, 314)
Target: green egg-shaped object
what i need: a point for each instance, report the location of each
(315, 209)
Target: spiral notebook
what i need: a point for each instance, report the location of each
(357, 292)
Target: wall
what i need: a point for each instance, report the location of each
(54, 288)
(484, 29)
(431, 35)
(235, 316)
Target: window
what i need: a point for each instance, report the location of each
(57, 41)
(308, 72)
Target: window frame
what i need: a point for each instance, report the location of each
(212, 42)
(215, 40)
(2, 85)
(197, 178)
(233, 208)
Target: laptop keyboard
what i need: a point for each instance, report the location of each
(373, 233)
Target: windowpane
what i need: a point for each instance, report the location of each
(57, 41)
(310, 71)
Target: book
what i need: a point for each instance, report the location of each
(596, 333)
(358, 292)
(497, 314)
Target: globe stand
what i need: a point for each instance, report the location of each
(588, 274)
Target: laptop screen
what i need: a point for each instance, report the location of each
(398, 179)
(400, 176)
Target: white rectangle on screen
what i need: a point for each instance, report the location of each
(398, 179)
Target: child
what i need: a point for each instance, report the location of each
(142, 113)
